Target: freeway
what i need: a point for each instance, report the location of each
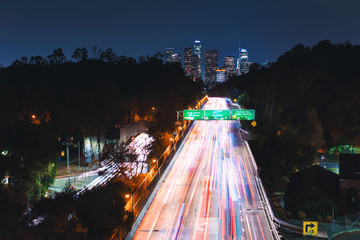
(211, 191)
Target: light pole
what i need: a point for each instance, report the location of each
(67, 144)
(157, 165)
(79, 153)
(131, 198)
(39, 186)
(120, 127)
(153, 111)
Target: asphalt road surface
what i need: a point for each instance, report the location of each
(210, 192)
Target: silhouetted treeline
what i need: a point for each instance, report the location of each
(307, 101)
(46, 100)
(94, 92)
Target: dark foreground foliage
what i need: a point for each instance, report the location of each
(306, 102)
(45, 101)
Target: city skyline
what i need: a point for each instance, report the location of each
(206, 64)
(265, 29)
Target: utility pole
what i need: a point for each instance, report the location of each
(67, 144)
(120, 133)
(68, 160)
(79, 153)
(39, 186)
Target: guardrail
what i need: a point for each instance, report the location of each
(145, 189)
(263, 197)
(273, 221)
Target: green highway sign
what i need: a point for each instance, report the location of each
(243, 114)
(217, 114)
(194, 114)
(221, 114)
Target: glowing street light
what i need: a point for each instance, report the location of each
(131, 198)
(157, 163)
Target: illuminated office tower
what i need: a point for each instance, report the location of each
(220, 75)
(238, 66)
(168, 55)
(244, 61)
(187, 61)
(194, 70)
(197, 52)
(171, 56)
(229, 66)
(176, 58)
(211, 64)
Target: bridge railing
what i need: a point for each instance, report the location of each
(272, 220)
(142, 193)
(263, 197)
(144, 190)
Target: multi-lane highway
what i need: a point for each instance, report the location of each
(210, 191)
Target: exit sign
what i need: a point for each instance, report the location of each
(194, 114)
(220, 114)
(243, 114)
(217, 114)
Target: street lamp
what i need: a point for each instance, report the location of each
(131, 198)
(67, 144)
(157, 165)
(156, 161)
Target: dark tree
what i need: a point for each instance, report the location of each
(108, 56)
(80, 54)
(57, 57)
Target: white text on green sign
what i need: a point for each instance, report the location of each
(243, 114)
(193, 114)
(221, 114)
(217, 114)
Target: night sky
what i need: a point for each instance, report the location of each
(265, 28)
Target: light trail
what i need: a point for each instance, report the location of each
(262, 232)
(139, 146)
(210, 191)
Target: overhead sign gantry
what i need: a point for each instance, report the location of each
(221, 114)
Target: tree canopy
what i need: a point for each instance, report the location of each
(306, 101)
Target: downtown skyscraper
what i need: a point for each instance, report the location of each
(192, 62)
(197, 52)
(220, 75)
(187, 61)
(229, 66)
(171, 56)
(243, 61)
(211, 64)
(168, 54)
